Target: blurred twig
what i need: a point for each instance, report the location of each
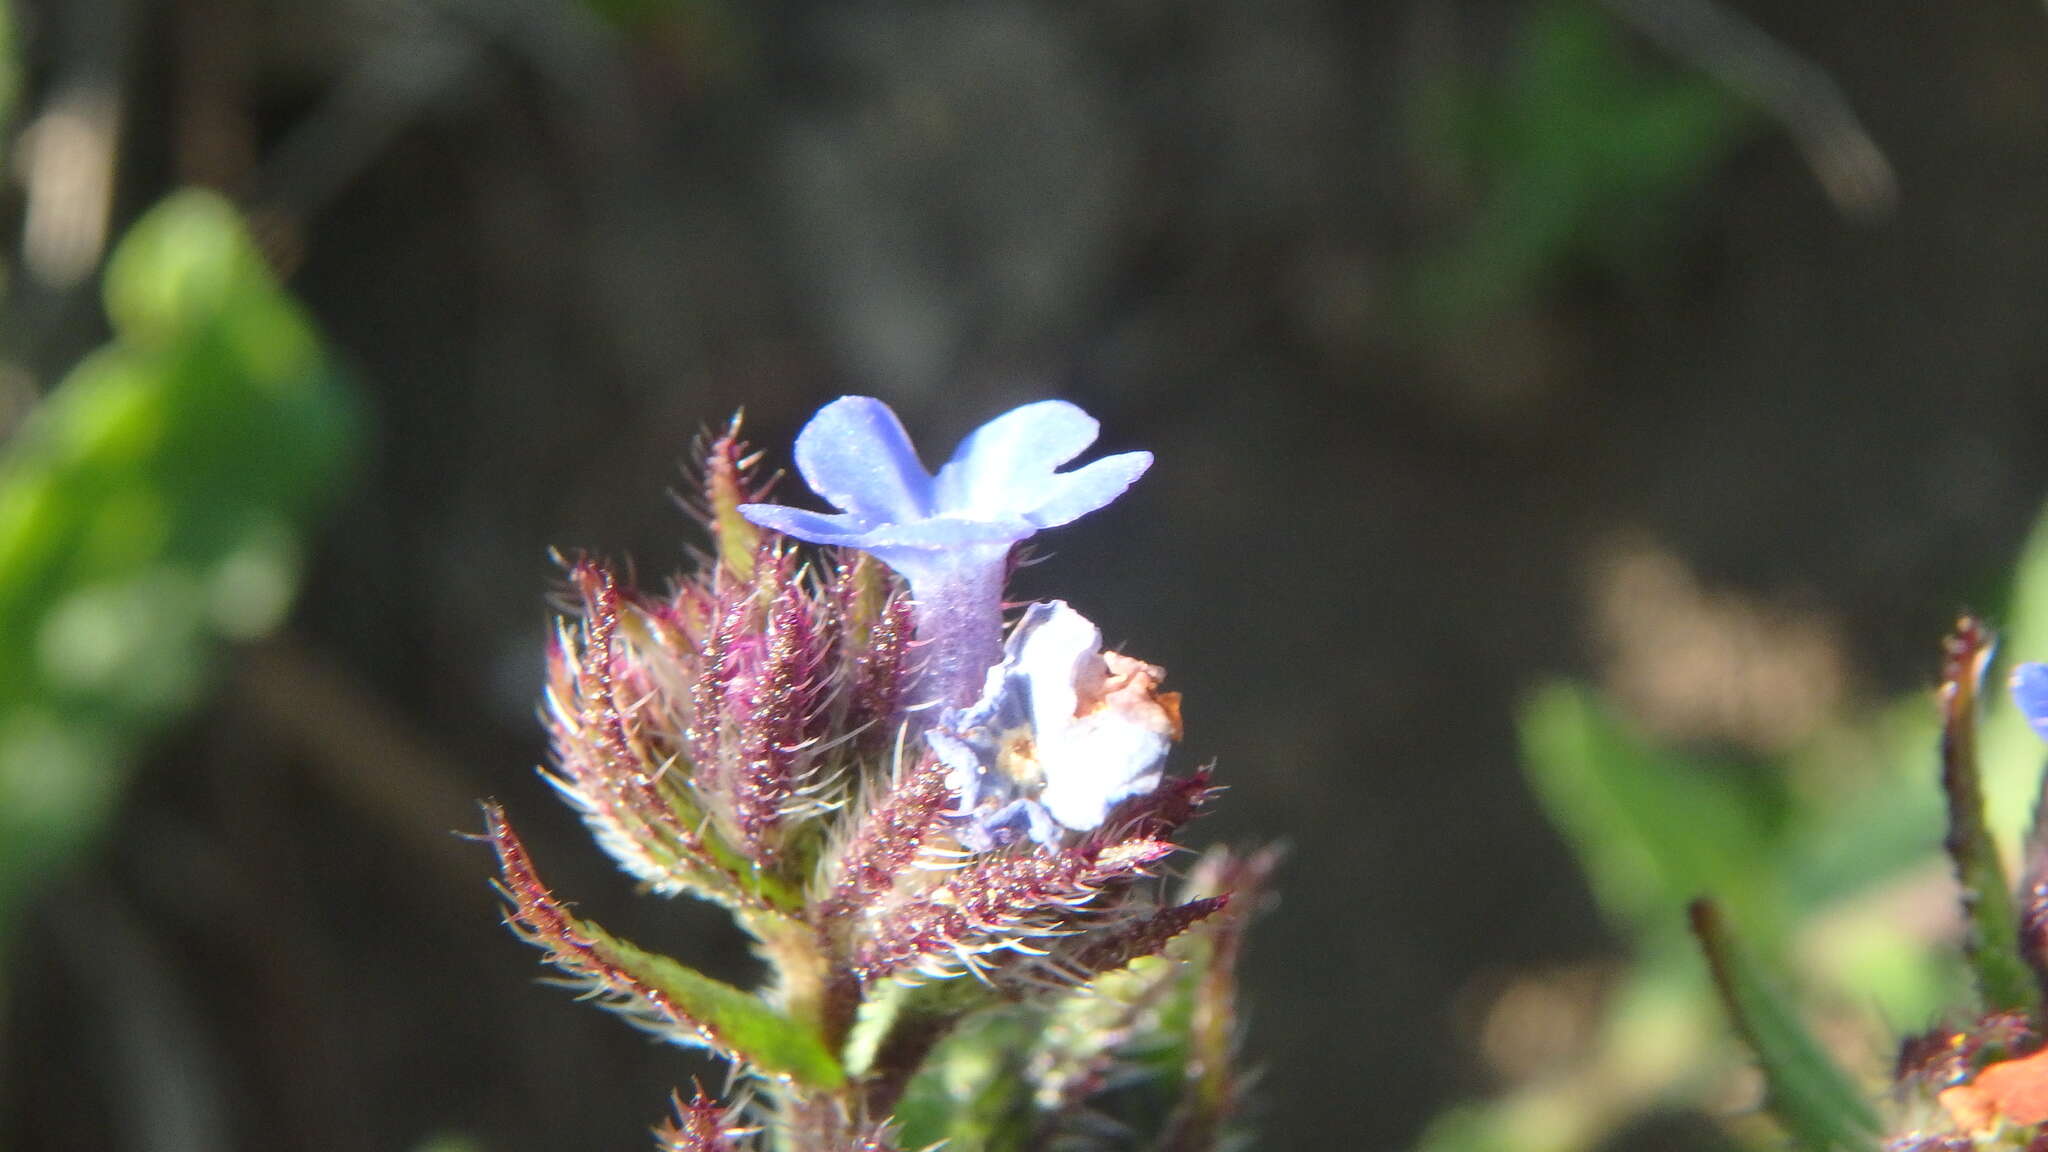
(362, 751)
(420, 60)
(1793, 90)
(432, 51)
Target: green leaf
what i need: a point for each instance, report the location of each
(154, 504)
(743, 1024)
(972, 1092)
(1651, 829)
(1865, 810)
(1583, 152)
(1815, 1100)
(655, 991)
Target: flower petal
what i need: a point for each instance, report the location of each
(1097, 765)
(855, 454)
(1075, 494)
(2030, 692)
(941, 532)
(815, 527)
(1062, 732)
(1005, 465)
(1059, 654)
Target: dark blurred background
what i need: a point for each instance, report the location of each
(1695, 346)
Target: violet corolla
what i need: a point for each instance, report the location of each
(1063, 732)
(950, 534)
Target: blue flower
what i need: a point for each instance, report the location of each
(2030, 692)
(1062, 732)
(949, 535)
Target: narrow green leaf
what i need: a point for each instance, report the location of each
(743, 1024)
(1994, 943)
(654, 991)
(1650, 828)
(1815, 1100)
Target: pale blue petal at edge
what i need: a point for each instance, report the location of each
(1075, 494)
(1002, 466)
(2030, 692)
(939, 532)
(815, 527)
(855, 454)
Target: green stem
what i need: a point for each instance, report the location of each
(2003, 977)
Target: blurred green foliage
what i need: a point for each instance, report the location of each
(155, 503)
(1813, 855)
(974, 1092)
(1580, 154)
(1818, 1104)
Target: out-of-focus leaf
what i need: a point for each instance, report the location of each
(154, 504)
(973, 1091)
(1818, 852)
(1814, 1098)
(1580, 154)
(1650, 829)
(1865, 807)
(1825, 856)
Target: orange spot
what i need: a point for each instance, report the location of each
(2015, 1091)
(1970, 1109)
(1169, 702)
